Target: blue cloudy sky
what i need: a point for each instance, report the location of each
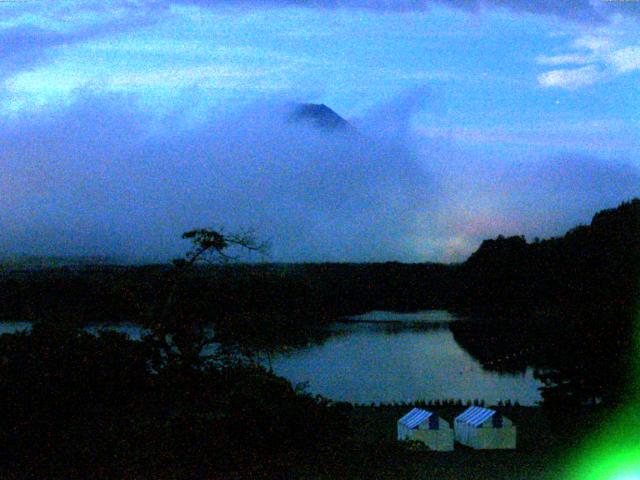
(125, 122)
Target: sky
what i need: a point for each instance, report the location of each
(124, 123)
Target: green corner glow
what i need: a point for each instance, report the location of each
(611, 462)
(614, 452)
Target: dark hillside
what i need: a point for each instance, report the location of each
(594, 266)
(564, 305)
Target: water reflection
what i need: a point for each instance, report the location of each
(373, 361)
(132, 330)
(423, 317)
(14, 327)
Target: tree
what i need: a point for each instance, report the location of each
(177, 336)
(83, 405)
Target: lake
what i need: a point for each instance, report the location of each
(388, 357)
(379, 362)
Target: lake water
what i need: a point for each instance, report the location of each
(425, 316)
(387, 357)
(375, 362)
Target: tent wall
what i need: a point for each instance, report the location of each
(404, 432)
(461, 433)
(440, 440)
(486, 438)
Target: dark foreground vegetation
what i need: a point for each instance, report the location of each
(79, 406)
(76, 405)
(82, 406)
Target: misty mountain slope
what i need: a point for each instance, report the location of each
(127, 184)
(130, 190)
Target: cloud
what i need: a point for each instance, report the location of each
(393, 120)
(595, 43)
(564, 59)
(571, 78)
(626, 59)
(604, 56)
(103, 176)
(602, 136)
(23, 46)
(583, 11)
(541, 198)
(219, 74)
(93, 177)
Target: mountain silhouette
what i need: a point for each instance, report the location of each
(320, 116)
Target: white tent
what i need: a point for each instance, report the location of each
(483, 428)
(428, 428)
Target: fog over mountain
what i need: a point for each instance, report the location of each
(102, 176)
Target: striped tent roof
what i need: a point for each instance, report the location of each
(475, 416)
(415, 417)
